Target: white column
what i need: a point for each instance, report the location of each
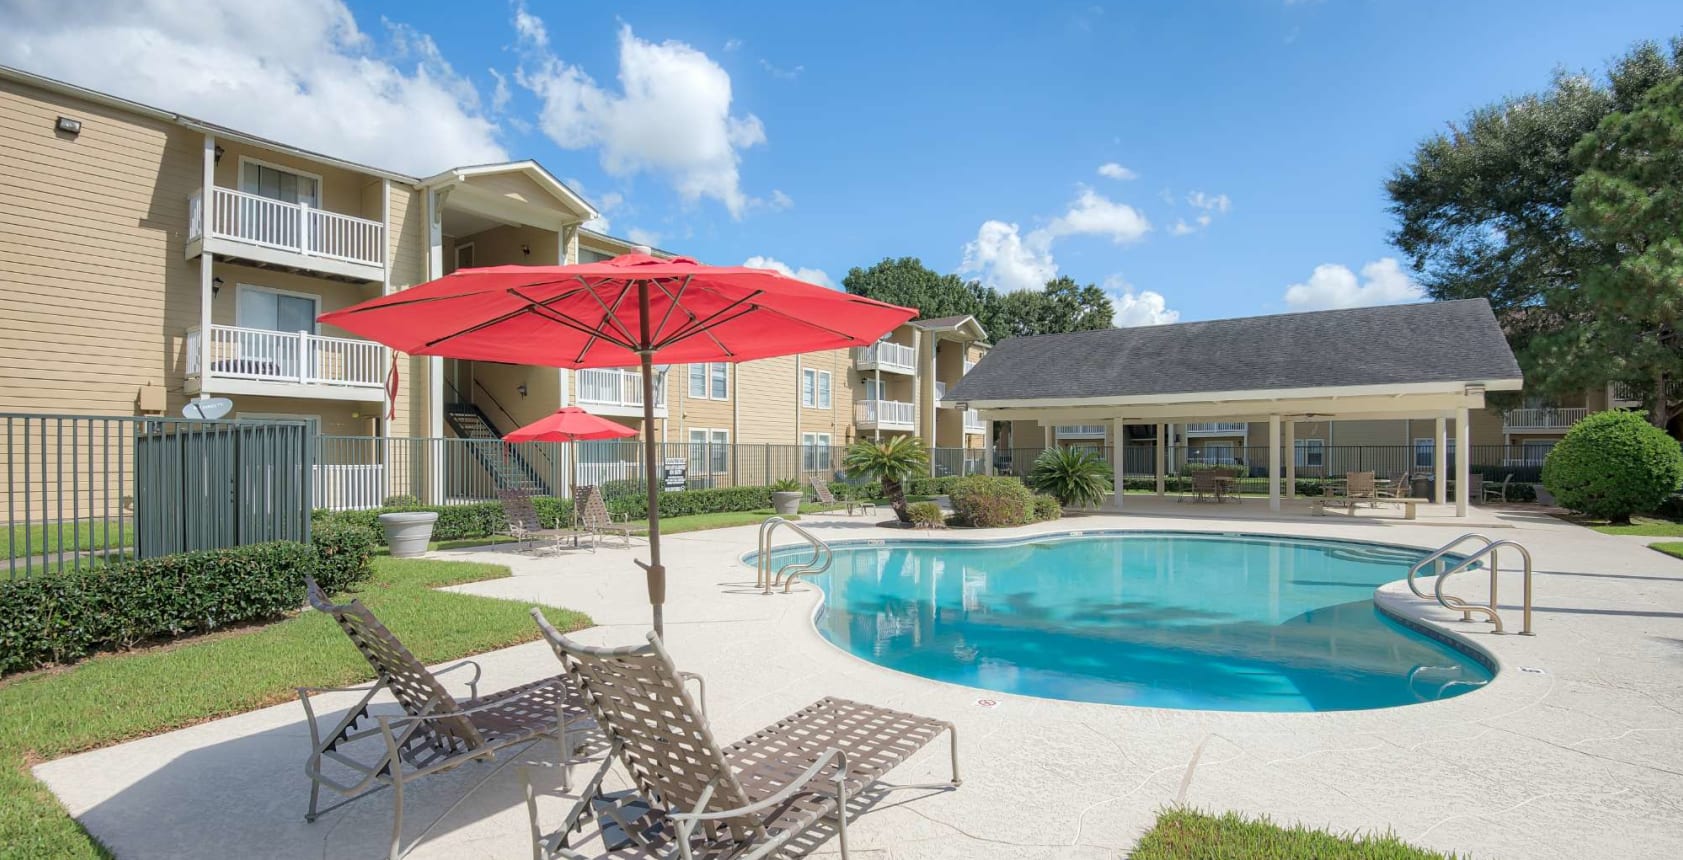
(207, 263)
(1440, 460)
(1463, 439)
(435, 364)
(1291, 458)
(987, 446)
(1162, 448)
(1116, 460)
(1274, 462)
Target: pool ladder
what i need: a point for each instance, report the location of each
(785, 575)
(1487, 553)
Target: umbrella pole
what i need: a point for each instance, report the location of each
(655, 570)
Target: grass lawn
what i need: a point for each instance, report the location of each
(1184, 834)
(115, 697)
(1671, 548)
(20, 541)
(1640, 526)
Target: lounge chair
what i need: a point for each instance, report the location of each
(821, 492)
(525, 526)
(694, 797)
(435, 731)
(590, 514)
(1499, 492)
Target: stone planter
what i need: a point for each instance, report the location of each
(786, 504)
(408, 532)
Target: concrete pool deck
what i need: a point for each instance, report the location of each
(1575, 750)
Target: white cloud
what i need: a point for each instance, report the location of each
(1112, 170)
(1096, 215)
(1004, 258)
(1382, 282)
(300, 72)
(779, 72)
(1130, 308)
(529, 27)
(500, 94)
(1211, 206)
(671, 116)
(779, 200)
(732, 45)
(1217, 203)
(811, 276)
(639, 236)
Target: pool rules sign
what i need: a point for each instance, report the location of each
(674, 474)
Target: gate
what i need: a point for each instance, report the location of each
(213, 484)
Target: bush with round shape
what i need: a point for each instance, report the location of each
(991, 502)
(1613, 464)
(926, 515)
(1047, 508)
(1079, 479)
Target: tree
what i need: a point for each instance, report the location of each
(1628, 208)
(1613, 464)
(890, 461)
(907, 282)
(1062, 306)
(1075, 477)
(1481, 208)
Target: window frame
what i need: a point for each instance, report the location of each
(246, 159)
(707, 370)
(1302, 449)
(241, 289)
(718, 380)
(710, 455)
(811, 444)
(1427, 446)
(818, 396)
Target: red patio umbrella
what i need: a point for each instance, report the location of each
(632, 310)
(570, 424)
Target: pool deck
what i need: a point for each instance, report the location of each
(1575, 750)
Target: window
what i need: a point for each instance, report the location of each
(710, 381)
(815, 452)
(587, 255)
(815, 388)
(1311, 453)
(874, 390)
(709, 451)
(267, 180)
(273, 310)
(464, 255)
(1423, 454)
(1213, 452)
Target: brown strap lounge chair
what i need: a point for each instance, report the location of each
(821, 491)
(694, 797)
(435, 731)
(590, 514)
(527, 527)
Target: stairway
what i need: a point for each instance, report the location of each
(508, 470)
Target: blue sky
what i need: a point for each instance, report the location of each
(1255, 135)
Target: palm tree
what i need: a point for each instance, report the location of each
(891, 461)
(1076, 478)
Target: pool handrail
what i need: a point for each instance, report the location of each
(1437, 555)
(1464, 607)
(766, 580)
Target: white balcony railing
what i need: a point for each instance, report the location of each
(940, 392)
(297, 228)
(1222, 428)
(968, 364)
(616, 387)
(973, 421)
(1546, 418)
(883, 355)
(1068, 431)
(260, 355)
(884, 414)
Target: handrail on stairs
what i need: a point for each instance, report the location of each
(766, 579)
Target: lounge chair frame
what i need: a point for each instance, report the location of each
(591, 515)
(693, 796)
(527, 527)
(822, 492)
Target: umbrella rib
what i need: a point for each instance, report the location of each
(608, 316)
(700, 324)
(677, 298)
(542, 309)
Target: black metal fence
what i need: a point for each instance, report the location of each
(1312, 461)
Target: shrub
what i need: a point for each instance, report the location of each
(343, 553)
(623, 487)
(401, 501)
(1077, 478)
(891, 462)
(58, 618)
(926, 514)
(1613, 464)
(932, 486)
(1047, 508)
(991, 502)
(785, 485)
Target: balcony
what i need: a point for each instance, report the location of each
(886, 357)
(1545, 420)
(884, 415)
(1080, 431)
(968, 364)
(288, 235)
(619, 392)
(286, 364)
(973, 422)
(1217, 428)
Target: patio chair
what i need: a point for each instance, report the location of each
(1398, 489)
(525, 526)
(821, 492)
(1360, 486)
(694, 797)
(1203, 484)
(435, 731)
(1231, 487)
(1499, 492)
(590, 514)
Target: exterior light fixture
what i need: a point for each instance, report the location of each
(69, 126)
(521, 388)
(217, 158)
(215, 286)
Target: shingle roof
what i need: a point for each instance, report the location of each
(1456, 341)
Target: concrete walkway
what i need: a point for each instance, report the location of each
(1575, 750)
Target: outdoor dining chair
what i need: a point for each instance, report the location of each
(1498, 492)
(694, 797)
(435, 731)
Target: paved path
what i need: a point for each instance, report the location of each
(1574, 751)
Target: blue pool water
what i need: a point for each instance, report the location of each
(1218, 622)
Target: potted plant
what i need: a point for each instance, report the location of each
(407, 531)
(786, 497)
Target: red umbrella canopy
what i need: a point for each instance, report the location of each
(570, 425)
(591, 315)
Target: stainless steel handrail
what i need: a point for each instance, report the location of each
(1437, 555)
(1464, 607)
(822, 556)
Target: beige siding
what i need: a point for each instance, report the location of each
(346, 192)
(406, 238)
(503, 246)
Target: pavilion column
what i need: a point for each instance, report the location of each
(1162, 448)
(1291, 459)
(987, 447)
(1440, 460)
(1116, 461)
(1463, 478)
(1274, 463)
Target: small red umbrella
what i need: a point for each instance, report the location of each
(632, 310)
(571, 424)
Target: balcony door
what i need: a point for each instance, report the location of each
(269, 322)
(267, 223)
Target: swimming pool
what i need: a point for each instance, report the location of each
(1158, 619)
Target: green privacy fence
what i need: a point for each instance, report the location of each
(83, 489)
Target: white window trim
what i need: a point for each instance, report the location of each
(811, 444)
(321, 188)
(1303, 447)
(814, 403)
(726, 366)
(706, 380)
(710, 443)
(457, 254)
(315, 327)
(1430, 445)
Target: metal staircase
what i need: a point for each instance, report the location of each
(785, 575)
(1486, 554)
(507, 468)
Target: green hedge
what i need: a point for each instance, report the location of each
(59, 618)
(926, 514)
(991, 502)
(1047, 508)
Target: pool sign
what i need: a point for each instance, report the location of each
(675, 474)
(987, 703)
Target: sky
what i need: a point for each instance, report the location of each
(1199, 160)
